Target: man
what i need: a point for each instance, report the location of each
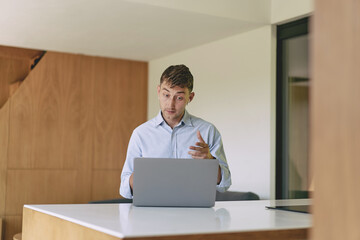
(174, 133)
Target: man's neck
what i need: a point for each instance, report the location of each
(173, 123)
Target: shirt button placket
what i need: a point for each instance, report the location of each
(173, 143)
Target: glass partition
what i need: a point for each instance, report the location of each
(292, 164)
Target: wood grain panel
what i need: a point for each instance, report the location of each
(19, 53)
(15, 65)
(72, 113)
(14, 70)
(335, 118)
(39, 187)
(120, 105)
(40, 226)
(294, 234)
(11, 70)
(108, 144)
(46, 112)
(4, 139)
(85, 131)
(13, 88)
(139, 75)
(1, 228)
(105, 184)
(12, 226)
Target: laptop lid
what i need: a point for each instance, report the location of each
(169, 182)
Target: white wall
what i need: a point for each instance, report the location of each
(235, 90)
(232, 82)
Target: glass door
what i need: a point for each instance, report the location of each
(292, 110)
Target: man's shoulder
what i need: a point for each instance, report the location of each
(197, 121)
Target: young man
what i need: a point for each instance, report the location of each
(174, 133)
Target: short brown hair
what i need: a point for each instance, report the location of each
(178, 75)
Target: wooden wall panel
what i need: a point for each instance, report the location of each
(1, 228)
(15, 65)
(85, 131)
(335, 118)
(19, 53)
(39, 187)
(12, 226)
(121, 96)
(46, 110)
(107, 146)
(4, 139)
(105, 184)
(14, 70)
(69, 125)
(11, 70)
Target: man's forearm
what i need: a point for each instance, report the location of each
(131, 183)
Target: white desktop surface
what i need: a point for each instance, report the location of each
(125, 220)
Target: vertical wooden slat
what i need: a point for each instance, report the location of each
(1, 228)
(85, 131)
(335, 118)
(4, 139)
(121, 97)
(109, 112)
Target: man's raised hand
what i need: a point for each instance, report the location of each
(201, 150)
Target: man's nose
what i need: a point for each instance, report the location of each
(172, 103)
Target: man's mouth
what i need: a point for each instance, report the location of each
(170, 111)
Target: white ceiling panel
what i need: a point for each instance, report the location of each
(130, 29)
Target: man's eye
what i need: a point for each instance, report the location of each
(180, 98)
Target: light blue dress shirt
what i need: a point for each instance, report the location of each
(155, 138)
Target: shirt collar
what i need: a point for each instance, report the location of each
(159, 119)
(186, 120)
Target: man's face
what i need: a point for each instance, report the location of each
(173, 102)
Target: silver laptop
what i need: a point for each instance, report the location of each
(170, 182)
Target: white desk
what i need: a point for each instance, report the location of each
(227, 220)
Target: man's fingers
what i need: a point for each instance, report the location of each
(197, 154)
(196, 148)
(201, 144)
(200, 137)
(201, 150)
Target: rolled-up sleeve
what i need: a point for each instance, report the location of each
(217, 150)
(133, 151)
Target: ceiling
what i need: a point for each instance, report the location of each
(129, 29)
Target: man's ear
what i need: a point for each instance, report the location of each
(158, 90)
(191, 97)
